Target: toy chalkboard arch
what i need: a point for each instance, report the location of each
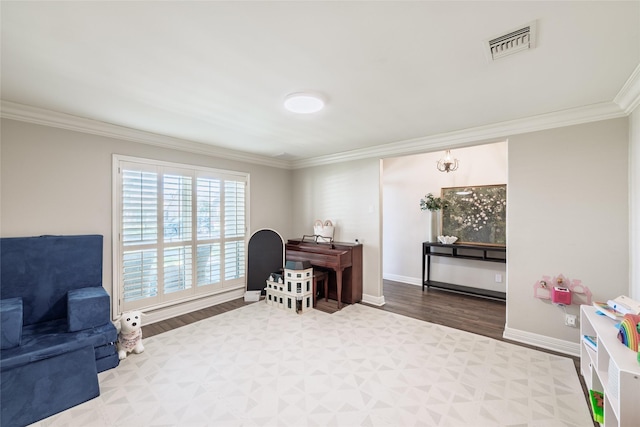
(265, 255)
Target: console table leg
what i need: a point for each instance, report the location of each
(339, 287)
(428, 271)
(423, 269)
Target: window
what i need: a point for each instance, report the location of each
(180, 232)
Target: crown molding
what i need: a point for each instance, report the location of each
(473, 136)
(629, 96)
(625, 102)
(41, 116)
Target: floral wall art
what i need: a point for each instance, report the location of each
(476, 215)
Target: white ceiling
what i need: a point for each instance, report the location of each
(393, 72)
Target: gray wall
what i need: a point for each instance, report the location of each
(634, 199)
(56, 181)
(568, 213)
(348, 194)
(568, 205)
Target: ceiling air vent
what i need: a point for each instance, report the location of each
(515, 41)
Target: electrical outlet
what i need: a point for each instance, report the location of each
(498, 278)
(570, 320)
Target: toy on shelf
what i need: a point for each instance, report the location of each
(597, 405)
(561, 290)
(606, 310)
(629, 334)
(617, 308)
(625, 305)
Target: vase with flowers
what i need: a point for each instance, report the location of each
(434, 205)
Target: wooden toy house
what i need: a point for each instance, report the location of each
(292, 291)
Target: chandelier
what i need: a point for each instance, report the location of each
(447, 164)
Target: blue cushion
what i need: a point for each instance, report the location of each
(64, 331)
(38, 390)
(43, 269)
(10, 322)
(108, 362)
(105, 350)
(46, 340)
(87, 308)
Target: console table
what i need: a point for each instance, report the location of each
(461, 251)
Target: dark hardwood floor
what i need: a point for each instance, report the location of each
(468, 313)
(185, 319)
(465, 312)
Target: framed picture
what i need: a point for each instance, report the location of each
(476, 215)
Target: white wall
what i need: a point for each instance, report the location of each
(406, 180)
(348, 194)
(55, 181)
(634, 199)
(568, 213)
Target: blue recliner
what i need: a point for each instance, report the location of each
(55, 332)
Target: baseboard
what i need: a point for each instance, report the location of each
(543, 341)
(189, 306)
(403, 279)
(370, 299)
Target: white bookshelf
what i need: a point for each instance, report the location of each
(612, 369)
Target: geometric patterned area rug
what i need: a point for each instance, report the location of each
(261, 366)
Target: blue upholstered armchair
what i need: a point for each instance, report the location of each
(55, 332)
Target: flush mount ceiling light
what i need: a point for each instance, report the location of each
(304, 102)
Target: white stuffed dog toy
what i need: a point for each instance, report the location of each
(129, 327)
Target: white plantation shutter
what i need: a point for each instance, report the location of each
(208, 264)
(177, 269)
(181, 232)
(140, 273)
(139, 207)
(233, 260)
(234, 209)
(177, 197)
(234, 229)
(208, 194)
(139, 233)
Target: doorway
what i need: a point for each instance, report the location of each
(406, 180)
